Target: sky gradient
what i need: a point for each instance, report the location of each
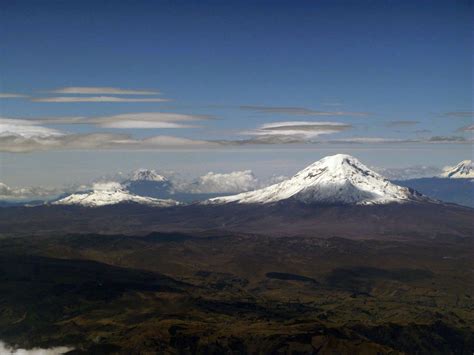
(89, 88)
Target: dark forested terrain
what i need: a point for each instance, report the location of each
(352, 280)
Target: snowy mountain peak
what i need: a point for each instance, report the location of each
(111, 193)
(463, 170)
(337, 179)
(147, 175)
(341, 166)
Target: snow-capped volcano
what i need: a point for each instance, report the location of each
(148, 183)
(146, 175)
(111, 193)
(464, 170)
(337, 179)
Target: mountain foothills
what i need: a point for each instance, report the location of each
(334, 260)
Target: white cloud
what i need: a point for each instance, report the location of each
(411, 172)
(96, 99)
(154, 116)
(6, 350)
(93, 141)
(234, 182)
(18, 135)
(25, 129)
(32, 128)
(125, 120)
(146, 120)
(6, 95)
(170, 141)
(144, 124)
(89, 90)
(107, 186)
(299, 129)
(467, 128)
(10, 193)
(368, 140)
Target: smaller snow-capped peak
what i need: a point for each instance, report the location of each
(111, 193)
(463, 170)
(337, 179)
(146, 175)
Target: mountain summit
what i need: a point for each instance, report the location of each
(337, 179)
(146, 175)
(464, 170)
(111, 193)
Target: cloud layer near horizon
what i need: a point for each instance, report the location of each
(26, 135)
(10, 193)
(93, 141)
(234, 182)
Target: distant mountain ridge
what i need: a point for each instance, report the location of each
(338, 179)
(457, 190)
(463, 170)
(454, 185)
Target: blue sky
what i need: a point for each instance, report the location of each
(299, 77)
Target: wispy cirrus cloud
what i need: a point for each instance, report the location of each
(288, 132)
(382, 140)
(301, 129)
(265, 140)
(458, 114)
(105, 90)
(148, 120)
(299, 111)
(63, 99)
(97, 141)
(469, 128)
(448, 139)
(17, 135)
(6, 95)
(362, 140)
(129, 120)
